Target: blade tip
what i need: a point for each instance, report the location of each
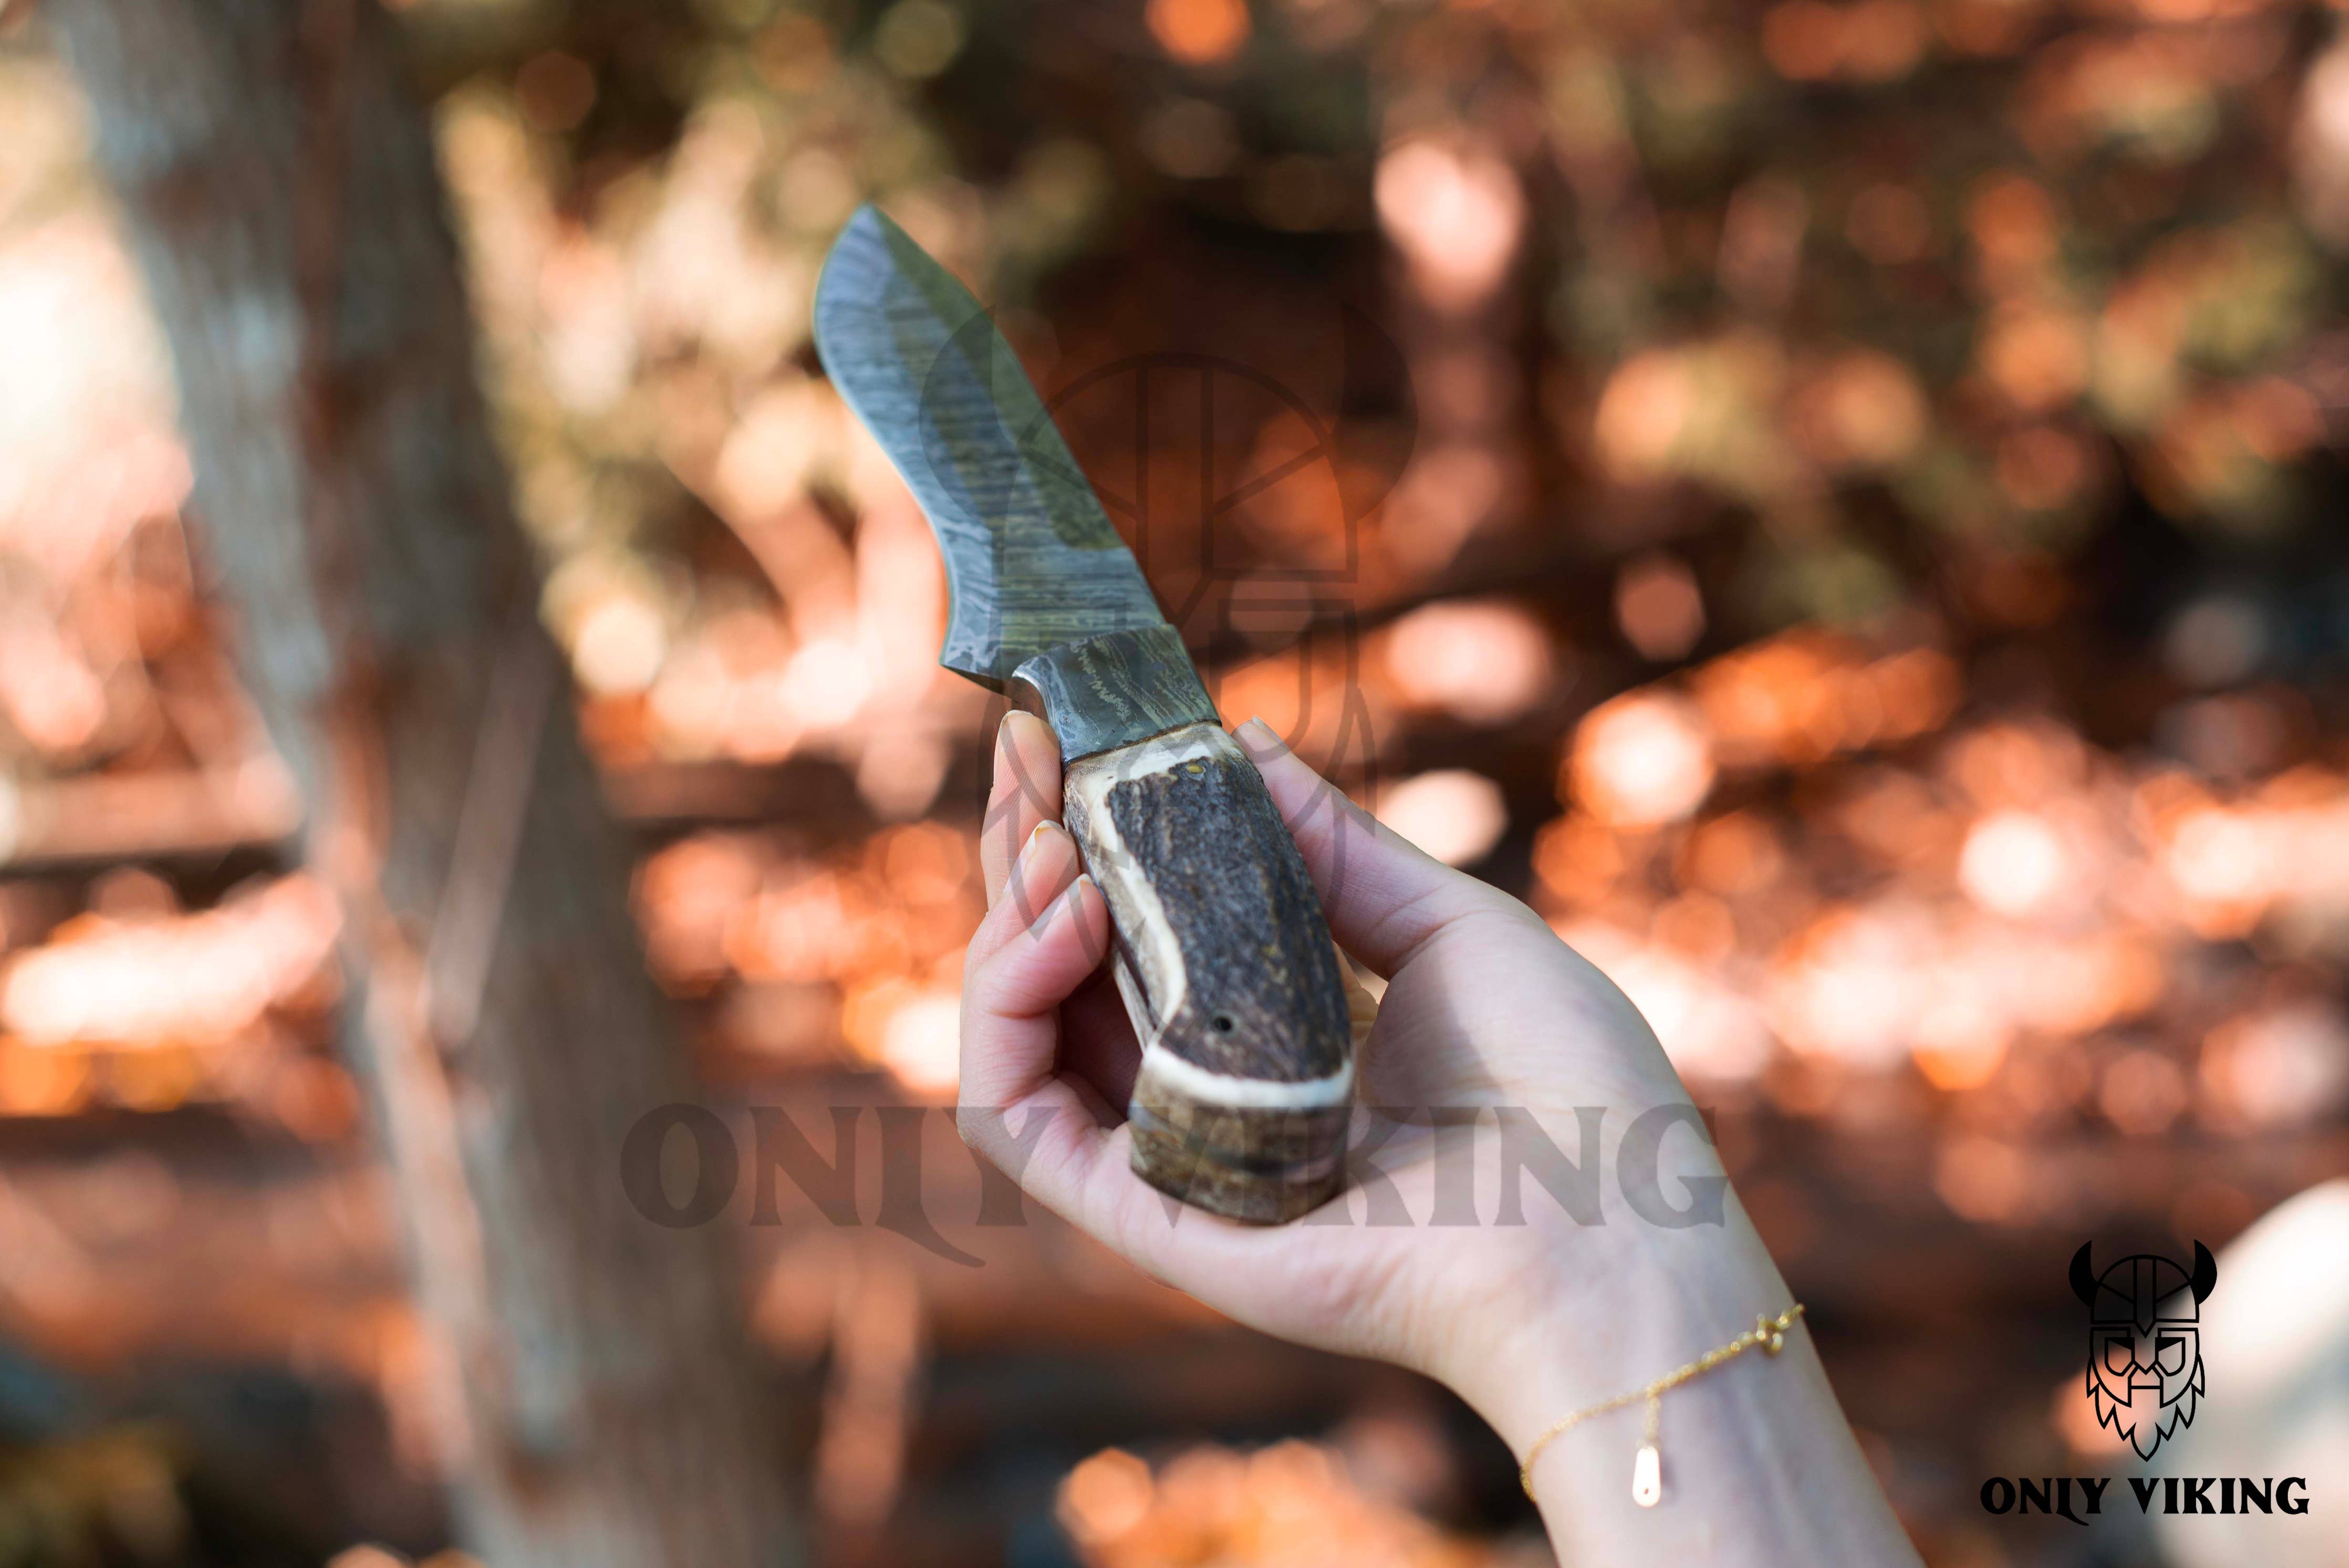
(848, 279)
(868, 225)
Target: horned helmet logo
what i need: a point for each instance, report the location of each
(2145, 1346)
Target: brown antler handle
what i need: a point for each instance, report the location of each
(1226, 967)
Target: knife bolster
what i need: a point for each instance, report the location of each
(1226, 967)
(1112, 690)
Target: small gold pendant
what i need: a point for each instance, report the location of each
(1648, 1476)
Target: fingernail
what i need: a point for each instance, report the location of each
(1043, 831)
(1260, 736)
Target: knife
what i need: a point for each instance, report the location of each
(1241, 1102)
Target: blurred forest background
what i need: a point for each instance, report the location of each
(1837, 504)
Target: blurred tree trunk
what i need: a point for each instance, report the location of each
(595, 1385)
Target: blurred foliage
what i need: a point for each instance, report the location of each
(1994, 270)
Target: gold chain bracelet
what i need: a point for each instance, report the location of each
(1648, 1469)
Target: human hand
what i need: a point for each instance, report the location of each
(1487, 1020)
(1486, 1014)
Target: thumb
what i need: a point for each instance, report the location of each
(1382, 895)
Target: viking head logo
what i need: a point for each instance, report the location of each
(2145, 1346)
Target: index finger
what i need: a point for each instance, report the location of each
(1025, 792)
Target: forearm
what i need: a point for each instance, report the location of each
(1758, 1463)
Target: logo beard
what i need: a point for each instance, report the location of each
(2144, 1421)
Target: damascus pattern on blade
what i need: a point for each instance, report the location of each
(1032, 561)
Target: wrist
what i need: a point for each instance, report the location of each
(1601, 1313)
(1757, 1464)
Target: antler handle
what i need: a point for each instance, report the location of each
(1227, 969)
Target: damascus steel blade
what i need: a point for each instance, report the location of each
(1032, 562)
